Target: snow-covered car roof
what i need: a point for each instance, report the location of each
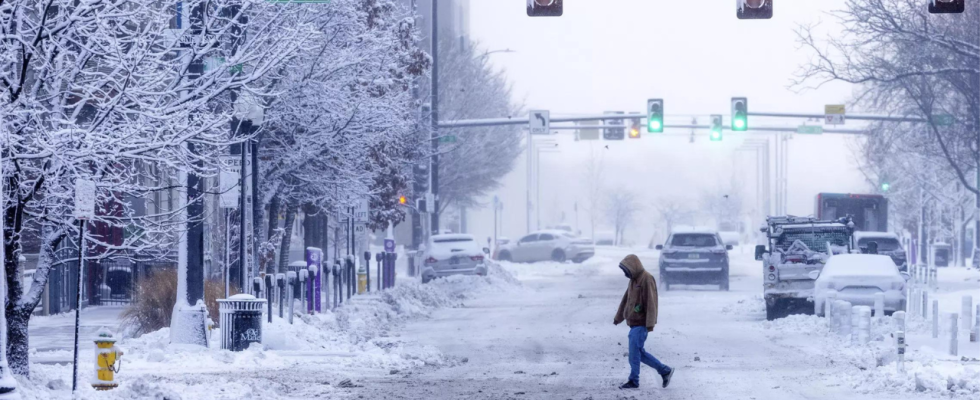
(816, 225)
(452, 237)
(866, 234)
(860, 265)
(553, 232)
(693, 229)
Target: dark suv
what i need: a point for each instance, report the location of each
(697, 257)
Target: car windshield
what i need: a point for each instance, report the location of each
(884, 244)
(693, 240)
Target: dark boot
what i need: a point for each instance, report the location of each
(629, 385)
(667, 376)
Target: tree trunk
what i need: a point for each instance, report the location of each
(18, 339)
(287, 237)
(273, 216)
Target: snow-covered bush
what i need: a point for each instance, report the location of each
(154, 298)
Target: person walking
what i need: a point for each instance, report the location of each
(639, 309)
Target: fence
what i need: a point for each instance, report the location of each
(105, 282)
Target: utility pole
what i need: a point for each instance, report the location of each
(434, 169)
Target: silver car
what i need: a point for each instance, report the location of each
(452, 254)
(549, 245)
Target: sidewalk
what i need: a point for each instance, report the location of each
(53, 336)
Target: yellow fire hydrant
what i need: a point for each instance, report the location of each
(106, 357)
(361, 280)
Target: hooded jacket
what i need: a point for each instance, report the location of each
(639, 304)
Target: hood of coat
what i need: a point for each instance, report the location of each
(633, 265)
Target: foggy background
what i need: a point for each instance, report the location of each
(613, 56)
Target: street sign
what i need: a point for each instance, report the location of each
(447, 139)
(810, 129)
(614, 133)
(84, 199)
(540, 121)
(228, 179)
(430, 203)
(942, 120)
(588, 134)
(834, 114)
(362, 211)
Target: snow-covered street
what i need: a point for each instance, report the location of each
(548, 336)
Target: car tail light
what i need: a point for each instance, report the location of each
(431, 260)
(477, 258)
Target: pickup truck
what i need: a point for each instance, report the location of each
(798, 246)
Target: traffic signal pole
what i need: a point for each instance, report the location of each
(434, 92)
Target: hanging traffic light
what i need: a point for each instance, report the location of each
(740, 114)
(885, 186)
(544, 8)
(655, 115)
(715, 134)
(635, 130)
(402, 200)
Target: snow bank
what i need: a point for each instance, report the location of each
(362, 333)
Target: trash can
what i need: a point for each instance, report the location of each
(241, 321)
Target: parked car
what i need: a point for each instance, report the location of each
(694, 257)
(888, 244)
(856, 278)
(547, 245)
(452, 254)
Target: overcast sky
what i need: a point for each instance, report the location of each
(607, 55)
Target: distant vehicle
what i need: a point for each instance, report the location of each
(452, 254)
(797, 247)
(730, 238)
(694, 257)
(869, 212)
(856, 278)
(548, 245)
(888, 244)
(605, 238)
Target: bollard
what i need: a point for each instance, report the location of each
(311, 289)
(953, 341)
(291, 282)
(106, 355)
(900, 347)
(879, 305)
(899, 318)
(965, 314)
(281, 283)
(935, 319)
(925, 303)
(855, 324)
(864, 324)
(303, 278)
(269, 289)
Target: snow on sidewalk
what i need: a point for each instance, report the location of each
(361, 335)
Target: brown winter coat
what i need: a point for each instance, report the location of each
(639, 304)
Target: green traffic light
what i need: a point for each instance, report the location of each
(885, 186)
(739, 124)
(656, 126)
(715, 136)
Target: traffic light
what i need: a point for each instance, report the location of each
(655, 115)
(715, 135)
(740, 114)
(402, 200)
(946, 6)
(885, 186)
(635, 130)
(544, 8)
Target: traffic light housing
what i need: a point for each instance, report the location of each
(715, 134)
(740, 114)
(545, 8)
(635, 130)
(655, 115)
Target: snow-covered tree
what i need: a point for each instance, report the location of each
(109, 91)
(621, 207)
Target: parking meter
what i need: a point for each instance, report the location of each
(257, 286)
(291, 281)
(367, 268)
(281, 283)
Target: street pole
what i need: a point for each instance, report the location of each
(78, 302)
(537, 187)
(527, 205)
(434, 169)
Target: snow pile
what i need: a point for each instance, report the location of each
(362, 333)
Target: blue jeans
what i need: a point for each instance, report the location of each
(638, 336)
